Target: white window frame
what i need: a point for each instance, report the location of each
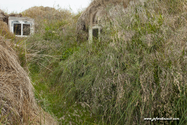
(91, 32)
(21, 20)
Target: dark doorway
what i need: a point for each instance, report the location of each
(96, 33)
(17, 29)
(26, 29)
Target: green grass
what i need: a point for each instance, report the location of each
(114, 81)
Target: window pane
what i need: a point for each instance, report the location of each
(26, 29)
(17, 29)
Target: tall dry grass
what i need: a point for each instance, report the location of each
(17, 102)
(4, 31)
(137, 70)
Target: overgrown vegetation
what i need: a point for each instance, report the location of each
(137, 71)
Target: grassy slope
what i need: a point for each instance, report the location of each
(114, 81)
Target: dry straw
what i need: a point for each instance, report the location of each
(5, 31)
(97, 9)
(97, 13)
(17, 102)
